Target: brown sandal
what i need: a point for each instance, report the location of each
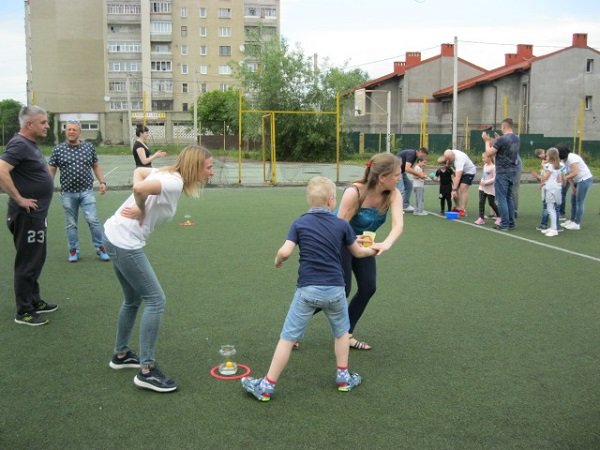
(359, 345)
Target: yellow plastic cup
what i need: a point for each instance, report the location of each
(369, 235)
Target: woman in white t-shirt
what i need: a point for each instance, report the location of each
(580, 177)
(154, 200)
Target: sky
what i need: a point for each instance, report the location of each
(371, 35)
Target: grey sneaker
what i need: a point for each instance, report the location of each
(346, 381)
(43, 307)
(154, 380)
(32, 319)
(255, 386)
(129, 361)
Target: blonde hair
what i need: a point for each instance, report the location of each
(318, 191)
(379, 164)
(489, 157)
(553, 157)
(190, 165)
(539, 152)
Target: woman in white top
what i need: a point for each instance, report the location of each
(154, 200)
(580, 177)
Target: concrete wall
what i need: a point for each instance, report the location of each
(558, 84)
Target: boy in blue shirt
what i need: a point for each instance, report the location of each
(320, 236)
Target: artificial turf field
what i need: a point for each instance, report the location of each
(482, 340)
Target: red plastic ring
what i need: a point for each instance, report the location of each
(218, 376)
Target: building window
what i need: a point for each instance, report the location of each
(160, 7)
(184, 106)
(269, 13)
(589, 65)
(203, 31)
(224, 50)
(202, 13)
(124, 47)
(162, 105)
(203, 88)
(184, 12)
(184, 69)
(184, 31)
(224, 69)
(224, 13)
(89, 126)
(117, 86)
(184, 88)
(203, 69)
(160, 66)
(161, 48)
(251, 11)
(224, 31)
(120, 8)
(162, 86)
(124, 66)
(184, 49)
(121, 105)
(252, 66)
(161, 27)
(588, 102)
(203, 50)
(224, 87)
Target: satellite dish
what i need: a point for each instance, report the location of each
(242, 48)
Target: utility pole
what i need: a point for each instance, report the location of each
(455, 96)
(195, 94)
(128, 109)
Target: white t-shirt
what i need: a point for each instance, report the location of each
(463, 163)
(128, 233)
(552, 181)
(583, 172)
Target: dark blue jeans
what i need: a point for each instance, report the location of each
(504, 198)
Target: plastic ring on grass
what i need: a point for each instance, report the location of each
(218, 376)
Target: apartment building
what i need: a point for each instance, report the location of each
(114, 63)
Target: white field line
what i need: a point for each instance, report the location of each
(531, 241)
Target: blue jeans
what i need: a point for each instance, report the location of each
(578, 198)
(504, 198)
(71, 202)
(307, 300)
(563, 193)
(405, 186)
(140, 285)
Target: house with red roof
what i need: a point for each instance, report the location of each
(410, 85)
(543, 95)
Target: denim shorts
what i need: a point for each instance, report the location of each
(330, 299)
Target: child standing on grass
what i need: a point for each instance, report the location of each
(419, 188)
(487, 190)
(552, 182)
(444, 175)
(540, 154)
(320, 236)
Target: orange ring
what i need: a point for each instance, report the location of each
(218, 376)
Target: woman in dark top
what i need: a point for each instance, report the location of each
(141, 153)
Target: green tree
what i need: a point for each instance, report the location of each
(9, 119)
(285, 79)
(218, 110)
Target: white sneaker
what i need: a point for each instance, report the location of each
(566, 223)
(551, 233)
(572, 226)
(409, 209)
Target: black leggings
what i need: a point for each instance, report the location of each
(365, 271)
(492, 202)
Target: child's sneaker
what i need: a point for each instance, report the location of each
(101, 252)
(129, 361)
(73, 255)
(154, 380)
(259, 387)
(479, 221)
(346, 381)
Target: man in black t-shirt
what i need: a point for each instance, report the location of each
(24, 176)
(409, 157)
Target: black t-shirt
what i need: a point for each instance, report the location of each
(138, 162)
(408, 155)
(30, 174)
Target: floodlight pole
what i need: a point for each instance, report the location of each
(389, 122)
(455, 95)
